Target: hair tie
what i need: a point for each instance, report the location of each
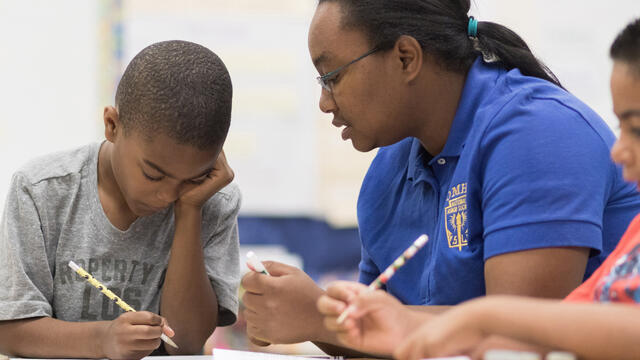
(472, 29)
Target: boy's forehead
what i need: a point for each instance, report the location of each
(178, 160)
(158, 140)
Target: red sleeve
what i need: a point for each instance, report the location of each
(586, 291)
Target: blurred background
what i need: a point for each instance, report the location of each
(60, 62)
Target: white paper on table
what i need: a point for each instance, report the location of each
(225, 354)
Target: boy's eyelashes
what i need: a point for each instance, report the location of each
(152, 178)
(197, 181)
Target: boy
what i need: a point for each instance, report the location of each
(579, 324)
(148, 212)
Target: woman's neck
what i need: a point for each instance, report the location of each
(437, 108)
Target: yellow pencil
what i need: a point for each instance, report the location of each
(112, 296)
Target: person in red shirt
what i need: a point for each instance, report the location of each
(618, 278)
(598, 320)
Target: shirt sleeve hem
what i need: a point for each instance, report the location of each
(22, 311)
(227, 308)
(543, 235)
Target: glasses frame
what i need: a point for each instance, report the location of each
(325, 80)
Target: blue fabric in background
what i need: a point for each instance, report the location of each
(323, 249)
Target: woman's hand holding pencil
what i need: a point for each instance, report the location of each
(280, 308)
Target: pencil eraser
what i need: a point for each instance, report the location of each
(74, 266)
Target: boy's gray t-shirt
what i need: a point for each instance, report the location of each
(53, 215)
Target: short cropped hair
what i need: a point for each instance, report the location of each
(626, 46)
(179, 89)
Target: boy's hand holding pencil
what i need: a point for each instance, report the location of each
(133, 335)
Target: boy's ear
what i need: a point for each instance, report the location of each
(409, 53)
(112, 124)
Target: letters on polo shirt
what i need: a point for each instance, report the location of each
(455, 219)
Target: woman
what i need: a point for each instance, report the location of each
(589, 329)
(480, 148)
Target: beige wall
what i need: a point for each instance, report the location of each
(57, 72)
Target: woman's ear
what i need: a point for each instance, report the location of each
(410, 55)
(112, 124)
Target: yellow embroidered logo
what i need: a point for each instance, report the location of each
(455, 217)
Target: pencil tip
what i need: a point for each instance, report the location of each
(168, 341)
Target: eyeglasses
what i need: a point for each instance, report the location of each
(326, 80)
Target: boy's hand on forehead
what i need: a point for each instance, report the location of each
(219, 177)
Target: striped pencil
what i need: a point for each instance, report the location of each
(108, 293)
(390, 270)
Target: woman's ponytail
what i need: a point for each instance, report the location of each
(509, 48)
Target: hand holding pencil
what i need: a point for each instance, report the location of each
(133, 334)
(276, 297)
(366, 318)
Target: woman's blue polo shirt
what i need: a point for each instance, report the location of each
(526, 165)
